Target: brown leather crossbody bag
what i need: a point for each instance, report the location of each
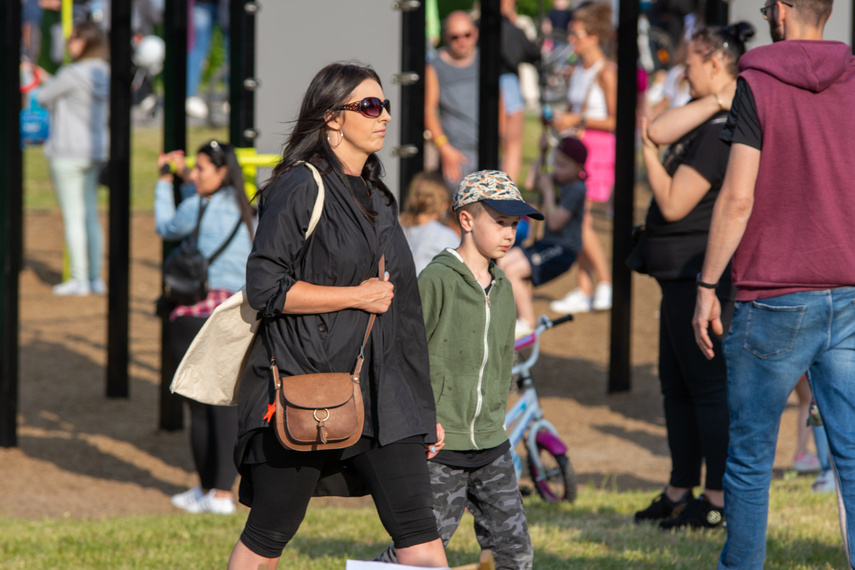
(324, 410)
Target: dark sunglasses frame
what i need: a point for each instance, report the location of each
(456, 37)
(368, 106)
(765, 9)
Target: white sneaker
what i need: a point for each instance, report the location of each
(98, 287)
(602, 297)
(825, 483)
(522, 329)
(573, 302)
(72, 288)
(196, 107)
(188, 498)
(211, 503)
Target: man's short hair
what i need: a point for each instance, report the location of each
(815, 12)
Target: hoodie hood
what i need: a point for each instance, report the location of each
(806, 64)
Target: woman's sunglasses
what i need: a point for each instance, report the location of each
(369, 107)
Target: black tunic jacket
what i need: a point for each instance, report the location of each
(344, 250)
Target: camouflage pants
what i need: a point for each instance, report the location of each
(491, 493)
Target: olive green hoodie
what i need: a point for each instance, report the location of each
(470, 338)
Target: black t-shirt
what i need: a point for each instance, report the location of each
(743, 124)
(474, 459)
(675, 250)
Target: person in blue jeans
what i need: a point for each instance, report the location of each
(795, 301)
(206, 14)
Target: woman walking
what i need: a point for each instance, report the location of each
(315, 296)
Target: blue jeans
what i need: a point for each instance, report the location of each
(771, 343)
(76, 183)
(204, 17)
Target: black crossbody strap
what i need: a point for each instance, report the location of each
(226, 244)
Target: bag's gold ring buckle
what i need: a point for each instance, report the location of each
(315, 415)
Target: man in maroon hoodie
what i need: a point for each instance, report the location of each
(785, 214)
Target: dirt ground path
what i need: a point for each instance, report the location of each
(82, 455)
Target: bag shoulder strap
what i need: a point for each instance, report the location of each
(358, 366)
(318, 209)
(227, 242)
(594, 81)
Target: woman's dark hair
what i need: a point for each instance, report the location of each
(329, 89)
(727, 41)
(94, 41)
(223, 154)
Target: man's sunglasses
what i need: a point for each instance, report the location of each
(369, 107)
(765, 9)
(467, 35)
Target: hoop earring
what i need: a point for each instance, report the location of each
(340, 140)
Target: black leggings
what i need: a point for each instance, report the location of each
(693, 390)
(396, 475)
(213, 429)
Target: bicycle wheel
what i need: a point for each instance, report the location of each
(560, 481)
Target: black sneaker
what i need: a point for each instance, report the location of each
(699, 513)
(663, 508)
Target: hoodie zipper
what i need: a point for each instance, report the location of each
(480, 396)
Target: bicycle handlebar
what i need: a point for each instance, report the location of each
(542, 324)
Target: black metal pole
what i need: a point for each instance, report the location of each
(489, 45)
(118, 305)
(412, 95)
(242, 81)
(174, 138)
(621, 321)
(11, 214)
(716, 12)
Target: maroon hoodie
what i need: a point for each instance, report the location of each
(801, 234)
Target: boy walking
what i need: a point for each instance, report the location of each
(469, 314)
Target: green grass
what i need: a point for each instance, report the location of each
(594, 533)
(146, 144)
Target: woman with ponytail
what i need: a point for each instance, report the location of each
(685, 186)
(216, 214)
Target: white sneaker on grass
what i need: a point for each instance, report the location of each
(72, 288)
(825, 483)
(602, 300)
(573, 302)
(211, 503)
(188, 498)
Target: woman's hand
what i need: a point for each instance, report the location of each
(564, 121)
(645, 137)
(432, 449)
(175, 157)
(374, 295)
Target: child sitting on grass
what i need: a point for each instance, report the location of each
(553, 255)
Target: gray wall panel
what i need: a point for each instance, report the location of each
(296, 38)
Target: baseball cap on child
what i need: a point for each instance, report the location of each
(497, 190)
(576, 150)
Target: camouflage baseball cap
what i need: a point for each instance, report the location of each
(497, 190)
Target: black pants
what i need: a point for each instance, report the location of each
(213, 429)
(396, 475)
(693, 390)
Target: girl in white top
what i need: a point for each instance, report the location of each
(592, 99)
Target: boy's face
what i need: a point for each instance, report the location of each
(565, 170)
(493, 233)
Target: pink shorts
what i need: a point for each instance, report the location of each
(600, 165)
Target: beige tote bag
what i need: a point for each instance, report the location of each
(212, 367)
